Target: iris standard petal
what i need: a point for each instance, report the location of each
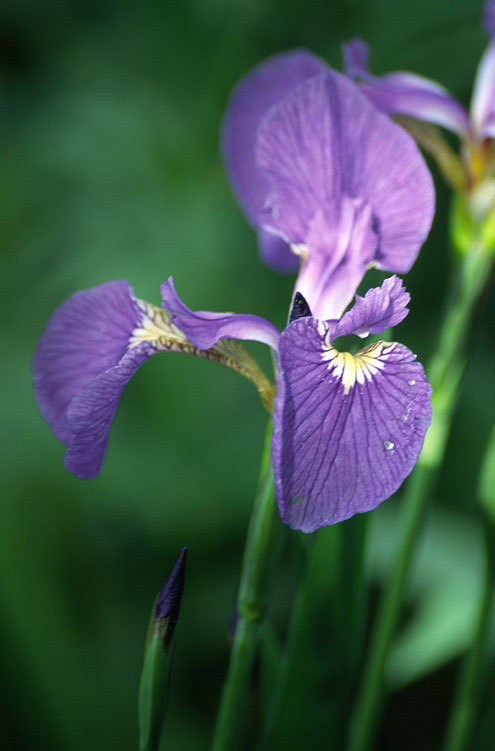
(266, 84)
(325, 141)
(380, 309)
(205, 329)
(348, 429)
(404, 93)
(253, 96)
(86, 335)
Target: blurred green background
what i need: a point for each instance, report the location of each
(110, 169)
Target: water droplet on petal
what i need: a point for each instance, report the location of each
(388, 445)
(412, 382)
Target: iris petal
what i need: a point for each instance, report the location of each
(205, 329)
(92, 410)
(404, 93)
(251, 99)
(380, 309)
(86, 335)
(348, 429)
(483, 99)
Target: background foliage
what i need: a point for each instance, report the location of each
(110, 169)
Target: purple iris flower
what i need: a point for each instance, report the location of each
(348, 428)
(404, 93)
(326, 179)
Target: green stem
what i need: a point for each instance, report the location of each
(250, 606)
(445, 372)
(464, 711)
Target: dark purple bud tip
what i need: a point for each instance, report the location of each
(299, 309)
(169, 598)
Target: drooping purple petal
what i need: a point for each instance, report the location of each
(326, 141)
(92, 410)
(204, 329)
(253, 96)
(483, 99)
(404, 93)
(83, 361)
(86, 335)
(380, 308)
(348, 429)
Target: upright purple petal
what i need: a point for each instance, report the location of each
(348, 428)
(483, 99)
(86, 335)
(204, 329)
(380, 309)
(92, 410)
(325, 144)
(489, 18)
(404, 93)
(267, 84)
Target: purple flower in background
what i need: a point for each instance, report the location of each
(93, 345)
(326, 179)
(348, 428)
(403, 93)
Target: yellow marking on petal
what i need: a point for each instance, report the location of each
(157, 328)
(358, 368)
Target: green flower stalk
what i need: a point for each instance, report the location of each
(250, 606)
(153, 687)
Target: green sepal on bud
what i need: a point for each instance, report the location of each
(153, 686)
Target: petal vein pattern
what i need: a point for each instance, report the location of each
(348, 428)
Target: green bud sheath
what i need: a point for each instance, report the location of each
(153, 686)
